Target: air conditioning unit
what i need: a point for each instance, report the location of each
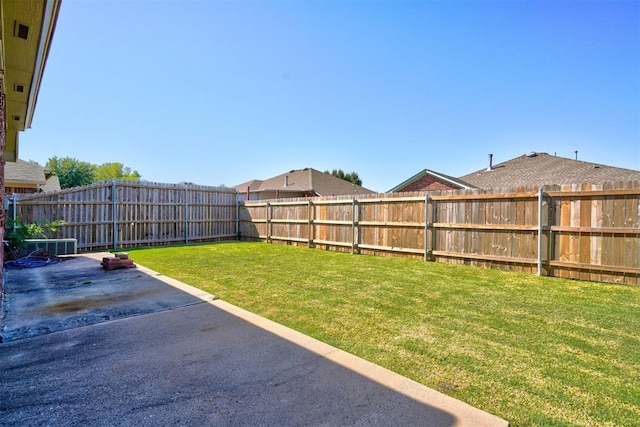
(53, 246)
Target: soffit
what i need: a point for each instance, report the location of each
(27, 30)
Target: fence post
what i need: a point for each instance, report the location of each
(237, 195)
(14, 209)
(434, 217)
(354, 221)
(114, 213)
(268, 224)
(186, 214)
(540, 230)
(309, 220)
(427, 226)
(14, 206)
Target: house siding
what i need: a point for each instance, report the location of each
(427, 183)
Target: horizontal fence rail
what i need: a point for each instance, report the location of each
(119, 214)
(588, 232)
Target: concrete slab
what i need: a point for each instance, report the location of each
(79, 292)
(193, 361)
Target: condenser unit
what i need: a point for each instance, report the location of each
(53, 246)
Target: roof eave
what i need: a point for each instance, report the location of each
(409, 181)
(49, 19)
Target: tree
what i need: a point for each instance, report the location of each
(108, 171)
(74, 173)
(71, 172)
(351, 177)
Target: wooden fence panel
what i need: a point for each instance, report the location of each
(589, 232)
(121, 214)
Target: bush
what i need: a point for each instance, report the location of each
(17, 232)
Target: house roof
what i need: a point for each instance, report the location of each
(307, 180)
(25, 172)
(53, 184)
(26, 33)
(440, 176)
(544, 169)
(253, 186)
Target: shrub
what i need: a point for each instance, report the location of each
(17, 232)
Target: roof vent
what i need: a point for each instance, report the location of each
(490, 167)
(532, 154)
(286, 180)
(18, 88)
(21, 31)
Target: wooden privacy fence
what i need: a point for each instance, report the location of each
(588, 232)
(118, 214)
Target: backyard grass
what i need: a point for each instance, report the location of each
(532, 350)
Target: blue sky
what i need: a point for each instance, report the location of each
(222, 92)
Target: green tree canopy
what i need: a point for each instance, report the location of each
(108, 171)
(351, 176)
(71, 172)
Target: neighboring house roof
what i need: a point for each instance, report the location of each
(451, 181)
(307, 180)
(253, 186)
(23, 173)
(53, 184)
(544, 169)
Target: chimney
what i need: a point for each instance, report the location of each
(490, 162)
(286, 180)
(576, 152)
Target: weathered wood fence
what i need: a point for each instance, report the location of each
(119, 214)
(586, 232)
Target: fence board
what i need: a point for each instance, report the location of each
(145, 213)
(588, 232)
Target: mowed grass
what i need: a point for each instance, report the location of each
(532, 350)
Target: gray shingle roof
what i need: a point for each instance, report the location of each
(543, 169)
(53, 184)
(22, 171)
(304, 180)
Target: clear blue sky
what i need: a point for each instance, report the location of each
(222, 92)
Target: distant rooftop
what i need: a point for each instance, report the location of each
(544, 169)
(307, 180)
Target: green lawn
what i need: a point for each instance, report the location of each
(532, 350)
